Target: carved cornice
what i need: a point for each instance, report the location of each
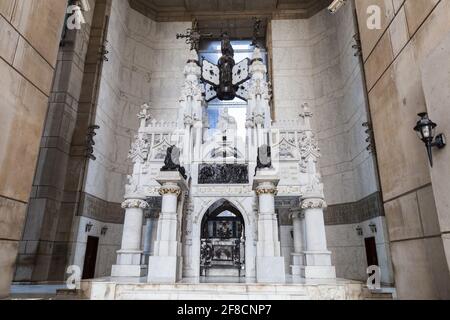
(134, 204)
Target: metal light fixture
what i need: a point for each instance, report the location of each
(104, 230)
(89, 226)
(373, 227)
(336, 5)
(359, 231)
(425, 129)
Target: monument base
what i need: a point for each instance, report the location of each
(163, 270)
(270, 270)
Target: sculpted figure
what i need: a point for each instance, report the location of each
(226, 63)
(172, 161)
(264, 159)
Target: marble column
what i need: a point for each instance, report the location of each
(149, 219)
(129, 256)
(166, 263)
(270, 266)
(297, 256)
(317, 256)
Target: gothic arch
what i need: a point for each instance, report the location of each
(200, 210)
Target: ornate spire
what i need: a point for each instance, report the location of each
(139, 150)
(144, 115)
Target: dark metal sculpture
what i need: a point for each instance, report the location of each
(223, 174)
(206, 256)
(225, 80)
(226, 90)
(256, 31)
(264, 159)
(193, 35)
(90, 143)
(172, 161)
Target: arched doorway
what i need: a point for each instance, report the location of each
(222, 247)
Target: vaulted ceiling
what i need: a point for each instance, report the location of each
(185, 10)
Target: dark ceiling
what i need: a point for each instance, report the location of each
(185, 10)
(234, 16)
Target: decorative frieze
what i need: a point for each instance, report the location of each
(223, 174)
(101, 210)
(355, 212)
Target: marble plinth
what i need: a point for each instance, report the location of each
(297, 263)
(270, 270)
(190, 289)
(128, 270)
(318, 272)
(164, 270)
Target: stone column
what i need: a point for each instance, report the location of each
(317, 257)
(187, 139)
(129, 256)
(270, 267)
(297, 256)
(149, 217)
(166, 263)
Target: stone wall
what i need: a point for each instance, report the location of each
(48, 209)
(313, 61)
(408, 72)
(145, 65)
(29, 37)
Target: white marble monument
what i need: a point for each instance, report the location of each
(192, 209)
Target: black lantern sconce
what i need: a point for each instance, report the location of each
(373, 227)
(426, 130)
(89, 227)
(104, 231)
(359, 231)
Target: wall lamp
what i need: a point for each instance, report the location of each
(359, 231)
(336, 5)
(104, 231)
(425, 129)
(89, 226)
(373, 227)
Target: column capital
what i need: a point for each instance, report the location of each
(135, 204)
(265, 178)
(313, 203)
(266, 188)
(170, 189)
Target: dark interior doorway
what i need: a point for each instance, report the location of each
(222, 248)
(90, 258)
(371, 251)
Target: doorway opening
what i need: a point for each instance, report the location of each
(371, 251)
(90, 258)
(222, 248)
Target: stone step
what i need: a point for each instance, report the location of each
(381, 294)
(139, 291)
(67, 294)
